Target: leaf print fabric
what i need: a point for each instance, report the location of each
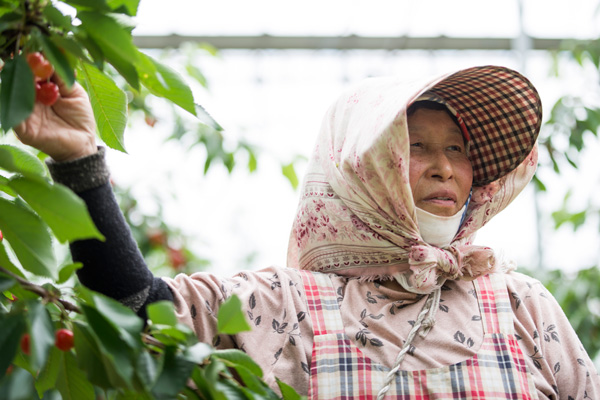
(283, 348)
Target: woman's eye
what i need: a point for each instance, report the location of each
(416, 144)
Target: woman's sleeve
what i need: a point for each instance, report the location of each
(555, 356)
(114, 267)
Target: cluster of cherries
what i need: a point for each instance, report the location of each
(63, 339)
(46, 91)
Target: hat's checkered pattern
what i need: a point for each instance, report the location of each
(339, 370)
(502, 112)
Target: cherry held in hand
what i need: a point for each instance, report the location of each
(46, 93)
(41, 67)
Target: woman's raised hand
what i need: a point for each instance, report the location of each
(66, 130)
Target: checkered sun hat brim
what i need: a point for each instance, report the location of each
(502, 112)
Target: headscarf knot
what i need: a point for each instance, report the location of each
(431, 266)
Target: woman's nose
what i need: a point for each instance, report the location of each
(440, 167)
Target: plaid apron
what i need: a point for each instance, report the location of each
(339, 370)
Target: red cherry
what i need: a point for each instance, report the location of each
(1, 236)
(41, 67)
(150, 120)
(46, 93)
(64, 339)
(157, 237)
(176, 257)
(25, 344)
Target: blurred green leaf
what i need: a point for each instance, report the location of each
(174, 374)
(230, 318)
(116, 354)
(287, 392)
(67, 271)
(6, 263)
(162, 81)
(46, 379)
(71, 381)
(290, 173)
(14, 159)
(162, 312)
(129, 7)
(89, 355)
(17, 94)
(29, 238)
(109, 104)
(13, 327)
(198, 352)
(116, 43)
(58, 60)
(6, 282)
(64, 212)
(42, 334)
(195, 73)
(234, 357)
(57, 18)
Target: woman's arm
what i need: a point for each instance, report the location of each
(114, 267)
(66, 132)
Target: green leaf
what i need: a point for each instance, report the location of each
(14, 159)
(116, 43)
(64, 212)
(162, 81)
(109, 104)
(58, 60)
(147, 370)
(290, 173)
(99, 5)
(5, 188)
(71, 382)
(89, 356)
(6, 263)
(17, 94)
(162, 312)
(206, 118)
(287, 392)
(67, 271)
(28, 237)
(46, 379)
(115, 351)
(13, 326)
(57, 18)
(195, 73)
(42, 334)
(121, 317)
(198, 352)
(129, 7)
(230, 318)
(234, 357)
(6, 282)
(174, 375)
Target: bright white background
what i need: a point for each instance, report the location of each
(276, 99)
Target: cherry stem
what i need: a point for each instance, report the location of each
(40, 291)
(49, 296)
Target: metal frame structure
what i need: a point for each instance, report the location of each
(351, 42)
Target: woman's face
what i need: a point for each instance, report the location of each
(441, 175)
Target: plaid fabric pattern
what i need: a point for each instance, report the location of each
(339, 370)
(502, 112)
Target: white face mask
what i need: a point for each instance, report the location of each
(438, 230)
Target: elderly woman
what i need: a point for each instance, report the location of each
(385, 294)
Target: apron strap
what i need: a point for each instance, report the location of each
(322, 303)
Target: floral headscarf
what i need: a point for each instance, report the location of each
(356, 215)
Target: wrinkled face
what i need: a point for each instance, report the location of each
(440, 172)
